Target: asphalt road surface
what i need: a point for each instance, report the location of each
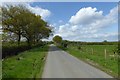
(60, 64)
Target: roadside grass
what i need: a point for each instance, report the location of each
(28, 64)
(95, 55)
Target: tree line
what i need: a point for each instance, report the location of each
(20, 22)
(64, 44)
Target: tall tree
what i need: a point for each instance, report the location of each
(11, 19)
(19, 20)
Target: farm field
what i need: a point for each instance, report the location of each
(28, 64)
(101, 56)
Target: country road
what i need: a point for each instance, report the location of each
(60, 64)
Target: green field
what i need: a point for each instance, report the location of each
(101, 56)
(28, 64)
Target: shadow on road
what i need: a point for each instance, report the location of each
(54, 48)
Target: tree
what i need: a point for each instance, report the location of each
(105, 41)
(57, 39)
(19, 20)
(36, 29)
(12, 19)
(41, 29)
(9, 36)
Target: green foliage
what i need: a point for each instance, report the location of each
(79, 47)
(57, 39)
(92, 43)
(64, 43)
(22, 22)
(9, 37)
(11, 19)
(28, 64)
(11, 48)
(105, 41)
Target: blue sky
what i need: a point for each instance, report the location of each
(79, 21)
(59, 0)
(64, 10)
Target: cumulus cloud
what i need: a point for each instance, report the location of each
(101, 35)
(40, 11)
(88, 23)
(90, 16)
(86, 16)
(44, 13)
(18, 0)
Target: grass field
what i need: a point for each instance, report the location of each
(101, 56)
(28, 64)
(0, 69)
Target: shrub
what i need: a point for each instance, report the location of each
(9, 49)
(79, 47)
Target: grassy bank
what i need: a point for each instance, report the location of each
(28, 64)
(12, 48)
(100, 56)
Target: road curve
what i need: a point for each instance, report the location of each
(60, 64)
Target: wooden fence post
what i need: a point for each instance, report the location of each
(105, 56)
(92, 50)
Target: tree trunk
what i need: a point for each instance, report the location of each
(37, 40)
(19, 37)
(29, 43)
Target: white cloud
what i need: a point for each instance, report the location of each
(88, 23)
(44, 13)
(18, 0)
(40, 11)
(86, 16)
(102, 35)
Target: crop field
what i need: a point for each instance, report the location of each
(101, 56)
(28, 64)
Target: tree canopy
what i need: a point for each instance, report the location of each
(22, 22)
(57, 39)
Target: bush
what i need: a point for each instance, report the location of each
(64, 44)
(11, 49)
(79, 47)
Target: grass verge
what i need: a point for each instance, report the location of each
(28, 64)
(95, 56)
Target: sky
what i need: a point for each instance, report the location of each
(59, 0)
(79, 21)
